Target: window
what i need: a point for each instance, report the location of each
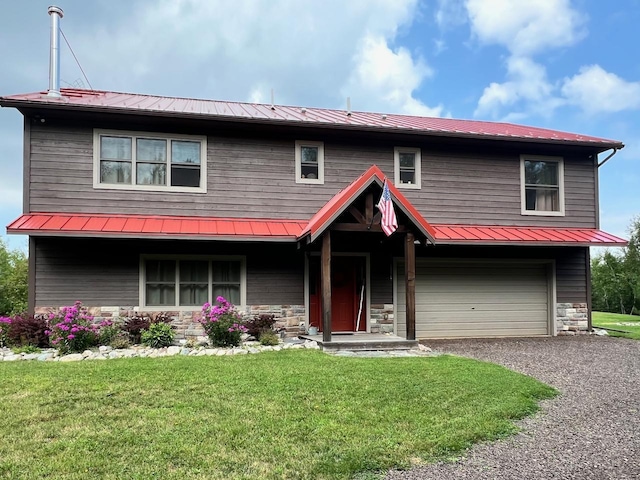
(407, 167)
(189, 282)
(145, 161)
(542, 181)
(309, 162)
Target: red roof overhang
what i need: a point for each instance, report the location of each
(343, 199)
(243, 229)
(156, 226)
(500, 235)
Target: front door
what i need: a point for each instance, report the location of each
(348, 302)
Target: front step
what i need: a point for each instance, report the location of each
(358, 343)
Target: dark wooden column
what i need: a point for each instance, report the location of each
(325, 280)
(410, 284)
(587, 268)
(31, 291)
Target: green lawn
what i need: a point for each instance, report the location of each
(290, 414)
(612, 320)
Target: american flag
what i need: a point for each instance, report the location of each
(389, 223)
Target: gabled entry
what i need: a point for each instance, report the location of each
(352, 210)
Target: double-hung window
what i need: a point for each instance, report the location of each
(542, 184)
(191, 281)
(309, 158)
(407, 163)
(147, 161)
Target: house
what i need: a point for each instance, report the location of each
(139, 202)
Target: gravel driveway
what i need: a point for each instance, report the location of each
(590, 431)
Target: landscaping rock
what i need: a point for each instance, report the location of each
(253, 350)
(29, 356)
(173, 350)
(104, 348)
(87, 353)
(114, 354)
(45, 356)
(72, 357)
(185, 351)
(311, 344)
(11, 358)
(221, 352)
(210, 351)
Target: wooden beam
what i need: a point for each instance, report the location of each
(325, 280)
(368, 209)
(376, 218)
(410, 284)
(357, 215)
(357, 227)
(587, 268)
(31, 280)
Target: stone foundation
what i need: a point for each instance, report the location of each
(571, 318)
(288, 317)
(381, 318)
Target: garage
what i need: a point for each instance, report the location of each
(464, 298)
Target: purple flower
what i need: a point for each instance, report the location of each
(71, 336)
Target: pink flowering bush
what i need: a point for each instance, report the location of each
(222, 323)
(72, 329)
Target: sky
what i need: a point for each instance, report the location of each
(569, 65)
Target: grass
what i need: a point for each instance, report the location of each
(291, 414)
(611, 320)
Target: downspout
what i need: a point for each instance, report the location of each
(615, 150)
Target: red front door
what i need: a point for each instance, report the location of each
(347, 281)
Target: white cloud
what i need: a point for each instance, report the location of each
(527, 88)
(386, 78)
(308, 52)
(595, 90)
(526, 28)
(450, 13)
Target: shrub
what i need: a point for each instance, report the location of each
(28, 330)
(120, 341)
(260, 324)
(222, 323)
(108, 331)
(269, 338)
(5, 325)
(26, 349)
(158, 335)
(14, 268)
(135, 324)
(72, 329)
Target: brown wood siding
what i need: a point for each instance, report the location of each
(571, 277)
(254, 177)
(105, 272)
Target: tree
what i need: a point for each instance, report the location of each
(615, 277)
(14, 271)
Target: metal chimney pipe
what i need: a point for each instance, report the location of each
(54, 59)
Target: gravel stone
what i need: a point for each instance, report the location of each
(589, 432)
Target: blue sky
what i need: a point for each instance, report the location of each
(561, 64)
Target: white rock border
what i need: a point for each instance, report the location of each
(141, 351)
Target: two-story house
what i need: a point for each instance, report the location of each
(137, 202)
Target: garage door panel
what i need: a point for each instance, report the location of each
(478, 299)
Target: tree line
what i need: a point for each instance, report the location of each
(615, 276)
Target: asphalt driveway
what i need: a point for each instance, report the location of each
(590, 431)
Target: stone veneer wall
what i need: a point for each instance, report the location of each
(288, 317)
(571, 318)
(382, 318)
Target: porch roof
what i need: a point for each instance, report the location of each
(239, 229)
(343, 199)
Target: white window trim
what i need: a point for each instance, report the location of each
(396, 167)
(298, 157)
(208, 258)
(523, 197)
(97, 133)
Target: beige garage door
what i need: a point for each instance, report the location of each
(476, 299)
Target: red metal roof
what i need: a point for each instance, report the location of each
(262, 113)
(498, 235)
(343, 199)
(139, 226)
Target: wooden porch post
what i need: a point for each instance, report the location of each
(410, 284)
(325, 276)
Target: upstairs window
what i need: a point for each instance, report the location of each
(309, 162)
(149, 161)
(542, 180)
(191, 281)
(407, 162)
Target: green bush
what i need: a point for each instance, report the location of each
(26, 349)
(109, 332)
(14, 269)
(158, 335)
(120, 341)
(269, 338)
